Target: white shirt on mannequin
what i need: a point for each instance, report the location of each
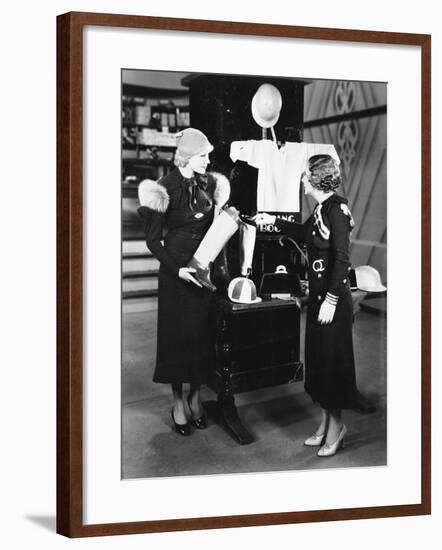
(280, 169)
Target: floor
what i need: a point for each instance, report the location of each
(279, 418)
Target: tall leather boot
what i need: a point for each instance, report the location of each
(223, 227)
(221, 273)
(247, 239)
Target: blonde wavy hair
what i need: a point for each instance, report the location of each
(179, 160)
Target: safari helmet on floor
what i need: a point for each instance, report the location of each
(266, 105)
(242, 291)
(369, 279)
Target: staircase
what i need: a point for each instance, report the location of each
(140, 277)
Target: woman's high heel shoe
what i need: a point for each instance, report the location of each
(201, 422)
(333, 448)
(315, 440)
(182, 429)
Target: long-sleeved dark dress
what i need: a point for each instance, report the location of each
(329, 358)
(185, 327)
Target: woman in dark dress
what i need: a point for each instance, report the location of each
(178, 211)
(329, 359)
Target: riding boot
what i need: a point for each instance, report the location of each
(223, 227)
(247, 239)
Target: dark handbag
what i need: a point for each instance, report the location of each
(280, 284)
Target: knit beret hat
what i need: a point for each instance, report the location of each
(191, 142)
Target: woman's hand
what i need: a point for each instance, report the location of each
(264, 219)
(185, 273)
(326, 313)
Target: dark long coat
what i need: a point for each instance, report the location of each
(177, 213)
(329, 358)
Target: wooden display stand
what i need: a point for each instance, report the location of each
(257, 347)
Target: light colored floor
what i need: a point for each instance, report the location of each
(279, 418)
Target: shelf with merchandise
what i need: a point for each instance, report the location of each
(150, 120)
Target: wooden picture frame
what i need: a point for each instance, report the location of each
(70, 270)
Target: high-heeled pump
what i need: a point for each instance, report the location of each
(201, 422)
(315, 440)
(332, 448)
(182, 429)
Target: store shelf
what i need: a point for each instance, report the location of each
(149, 162)
(153, 146)
(144, 125)
(127, 123)
(150, 119)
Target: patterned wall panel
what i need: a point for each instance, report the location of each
(362, 146)
(320, 102)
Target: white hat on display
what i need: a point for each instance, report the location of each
(266, 105)
(243, 291)
(369, 279)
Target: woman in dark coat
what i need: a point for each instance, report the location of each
(329, 359)
(178, 211)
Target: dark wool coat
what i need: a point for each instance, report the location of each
(177, 213)
(329, 358)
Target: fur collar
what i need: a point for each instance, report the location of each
(155, 196)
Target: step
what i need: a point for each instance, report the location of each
(141, 274)
(135, 294)
(134, 245)
(136, 305)
(139, 283)
(132, 231)
(141, 254)
(139, 262)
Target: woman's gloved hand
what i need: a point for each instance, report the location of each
(326, 313)
(263, 218)
(185, 273)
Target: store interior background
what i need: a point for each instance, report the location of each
(351, 116)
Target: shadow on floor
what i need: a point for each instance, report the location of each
(46, 522)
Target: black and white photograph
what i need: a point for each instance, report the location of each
(253, 273)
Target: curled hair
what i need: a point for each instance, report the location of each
(324, 173)
(179, 160)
